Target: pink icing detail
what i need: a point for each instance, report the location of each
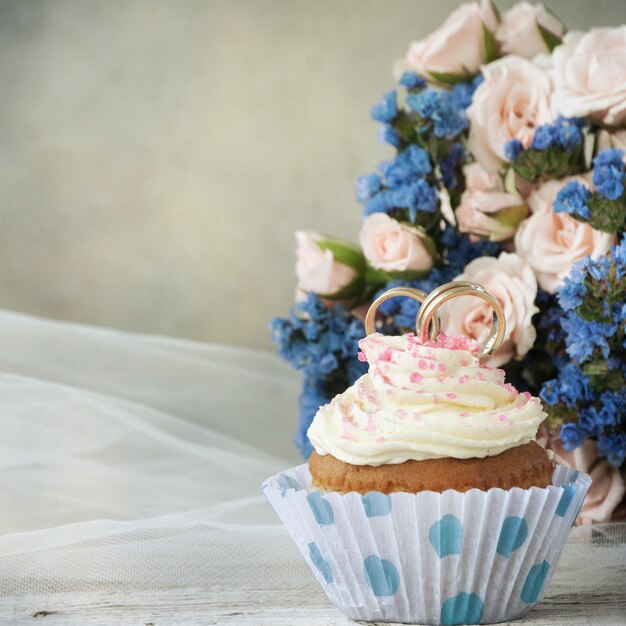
(432, 366)
(401, 413)
(502, 417)
(480, 376)
(442, 367)
(416, 377)
(526, 395)
(417, 416)
(464, 363)
(452, 396)
(381, 440)
(509, 387)
(422, 364)
(463, 379)
(361, 357)
(346, 435)
(464, 414)
(371, 425)
(386, 355)
(441, 379)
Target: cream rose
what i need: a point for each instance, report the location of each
(519, 33)
(393, 247)
(589, 75)
(552, 242)
(486, 208)
(456, 47)
(316, 269)
(515, 97)
(513, 283)
(607, 489)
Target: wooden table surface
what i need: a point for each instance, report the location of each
(274, 607)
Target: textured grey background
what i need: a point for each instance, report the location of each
(156, 156)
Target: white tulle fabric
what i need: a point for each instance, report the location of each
(132, 464)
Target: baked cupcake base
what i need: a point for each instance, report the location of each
(523, 466)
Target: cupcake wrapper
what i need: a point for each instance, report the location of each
(478, 557)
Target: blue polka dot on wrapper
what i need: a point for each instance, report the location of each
(513, 534)
(287, 482)
(566, 499)
(446, 535)
(534, 582)
(320, 562)
(376, 504)
(381, 576)
(466, 608)
(321, 508)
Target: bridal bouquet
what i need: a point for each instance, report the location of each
(508, 170)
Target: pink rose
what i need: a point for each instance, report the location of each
(393, 247)
(486, 208)
(590, 79)
(316, 268)
(456, 47)
(513, 284)
(519, 32)
(607, 488)
(552, 242)
(515, 97)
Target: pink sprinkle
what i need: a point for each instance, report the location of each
(361, 357)
(480, 376)
(422, 364)
(416, 377)
(509, 387)
(502, 417)
(441, 379)
(386, 355)
(526, 395)
(463, 379)
(452, 396)
(442, 367)
(432, 366)
(511, 423)
(464, 414)
(346, 435)
(417, 416)
(381, 440)
(464, 363)
(401, 413)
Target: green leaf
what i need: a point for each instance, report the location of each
(375, 277)
(491, 45)
(513, 215)
(449, 78)
(549, 38)
(344, 252)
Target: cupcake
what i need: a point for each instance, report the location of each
(426, 499)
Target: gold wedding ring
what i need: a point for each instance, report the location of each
(428, 322)
(408, 292)
(446, 292)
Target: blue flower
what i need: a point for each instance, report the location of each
(512, 149)
(386, 109)
(572, 199)
(411, 80)
(573, 289)
(423, 103)
(568, 133)
(571, 436)
(366, 186)
(544, 137)
(450, 163)
(584, 336)
(387, 134)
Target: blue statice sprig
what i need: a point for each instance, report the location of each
(404, 188)
(604, 208)
(588, 396)
(556, 151)
(322, 342)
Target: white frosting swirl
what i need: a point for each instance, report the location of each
(424, 401)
